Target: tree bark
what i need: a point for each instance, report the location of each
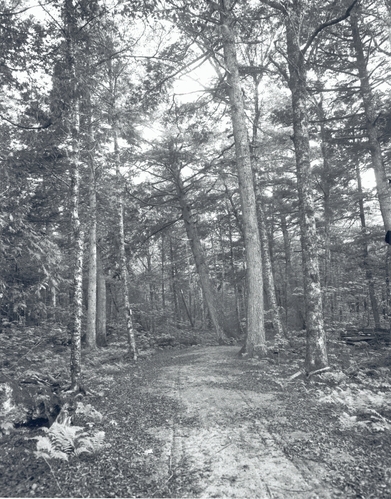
(388, 21)
(92, 262)
(173, 283)
(326, 188)
(255, 339)
(288, 267)
(269, 277)
(188, 312)
(316, 351)
(234, 274)
(151, 297)
(78, 236)
(77, 285)
(123, 264)
(382, 185)
(163, 263)
(53, 295)
(266, 247)
(101, 318)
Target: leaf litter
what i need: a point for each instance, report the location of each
(197, 422)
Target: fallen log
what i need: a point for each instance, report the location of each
(356, 339)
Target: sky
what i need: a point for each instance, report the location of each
(187, 88)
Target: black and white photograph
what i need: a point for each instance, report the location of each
(195, 249)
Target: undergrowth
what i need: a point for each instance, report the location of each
(64, 440)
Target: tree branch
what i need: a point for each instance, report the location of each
(280, 69)
(18, 125)
(327, 24)
(200, 60)
(17, 12)
(275, 5)
(165, 226)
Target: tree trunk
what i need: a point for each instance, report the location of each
(151, 297)
(382, 185)
(163, 260)
(77, 285)
(199, 258)
(266, 246)
(92, 263)
(188, 312)
(123, 264)
(255, 340)
(173, 283)
(368, 270)
(234, 274)
(387, 3)
(316, 352)
(53, 295)
(269, 277)
(326, 188)
(288, 267)
(224, 296)
(101, 318)
(78, 236)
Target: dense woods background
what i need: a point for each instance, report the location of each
(174, 166)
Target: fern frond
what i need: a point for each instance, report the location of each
(43, 443)
(91, 444)
(47, 450)
(63, 440)
(44, 455)
(64, 436)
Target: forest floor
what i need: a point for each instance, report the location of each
(203, 422)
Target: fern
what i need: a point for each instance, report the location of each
(348, 422)
(92, 444)
(359, 400)
(47, 450)
(362, 402)
(64, 440)
(64, 436)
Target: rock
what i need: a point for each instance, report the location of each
(27, 403)
(13, 405)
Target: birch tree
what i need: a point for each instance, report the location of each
(71, 29)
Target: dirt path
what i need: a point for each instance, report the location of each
(226, 454)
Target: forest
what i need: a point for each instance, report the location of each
(181, 181)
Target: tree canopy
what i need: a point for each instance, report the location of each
(213, 165)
